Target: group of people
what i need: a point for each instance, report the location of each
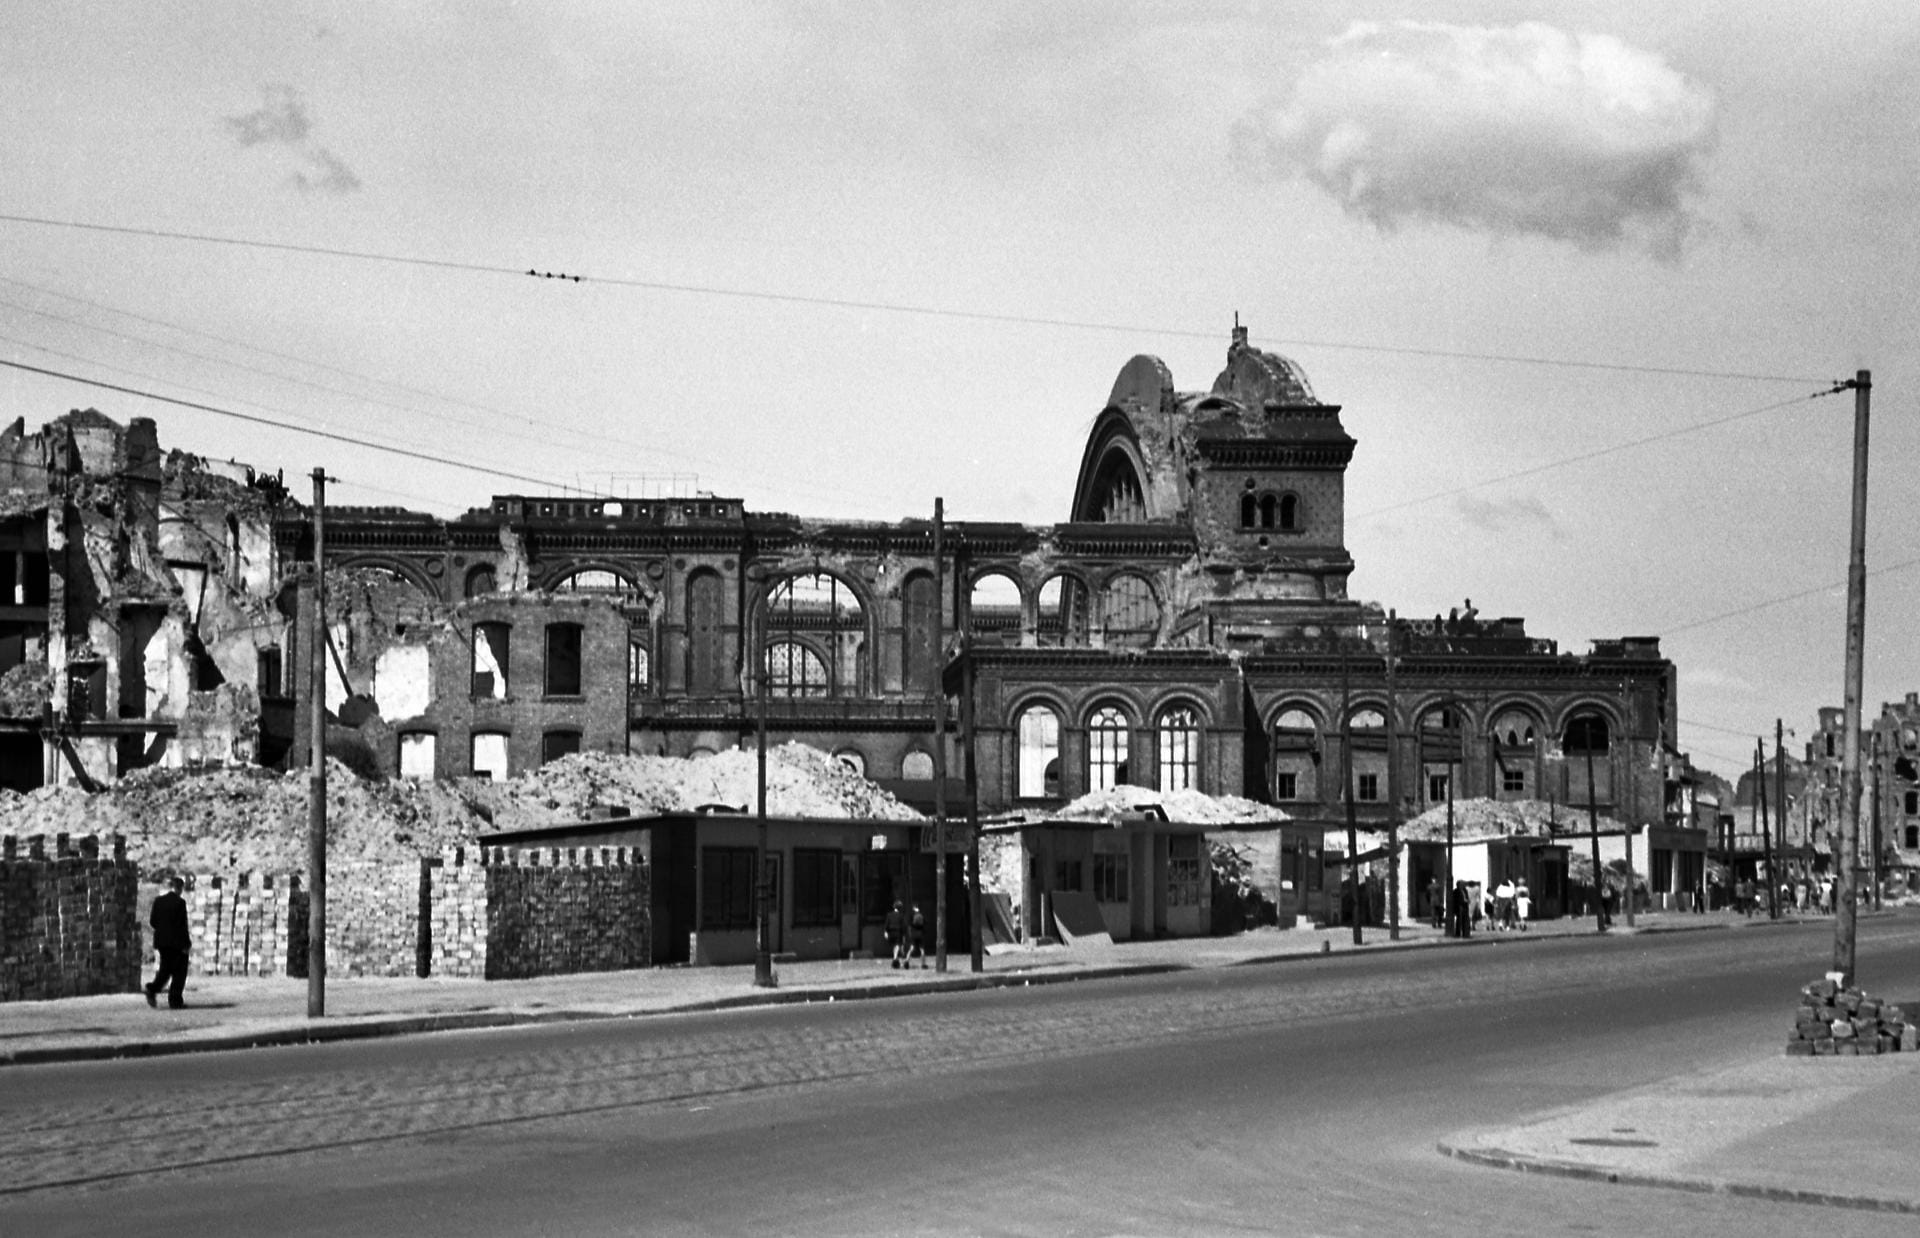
(906, 935)
(1508, 908)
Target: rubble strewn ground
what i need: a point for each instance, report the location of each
(1484, 818)
(253, 819)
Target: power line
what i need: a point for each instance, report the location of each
(889, 307)
(1596, 454)
(1785, 598)
(281, 425)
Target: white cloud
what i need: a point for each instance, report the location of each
(282, 120)
(1507, 515)
(1528, 130)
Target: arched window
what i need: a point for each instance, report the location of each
(1515, 749)
(853, 759)
(1130, 613)
(1588, 733)
(794, 670)
(1588, 745)
(1107, 733)
(824, 611)
(1289, 512)
(1440, 742)
(917, 767)
(1367, 729)
(1514, 730)
(1296, 756)
(593, 580)
(490, 643)
(1267, 507)
(639, 663)
(480, 581)
(1179, 730)
(994, 606)
(563, 659)
(1249, 507)
(1037, 774)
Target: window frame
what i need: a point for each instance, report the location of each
(728, 897)
(1109, 748)
(816, 887)
(1178, 735)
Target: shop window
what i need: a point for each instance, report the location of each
(816, 888)
(726, 887)
(490, 642)
(490, 756)
(1179, 749)
(416, 754)
(557, 744)
(1038, 773)
(1107, 733)
(563, 659)
(1110, 884)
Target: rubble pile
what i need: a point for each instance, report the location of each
(801, 782)
(1484, 818)
(252, 819)
(1846, 1022)
(1195, 807)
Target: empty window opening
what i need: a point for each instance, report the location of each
(490, 642)
(1061, 612)
(490, 756)
(853, 759)
(1038, 773)
(639, 666)
(821, 610)
(563, 659)
(1289, 512)
(557, 744)
(416, 755)
(1130, 613)
(995, 609)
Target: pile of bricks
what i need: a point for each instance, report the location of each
(68, 922)
(1846, 1022)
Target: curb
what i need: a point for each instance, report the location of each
(1500, 1158)
(408, 1025)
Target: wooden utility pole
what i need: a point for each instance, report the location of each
(1846, 903)
(763, 877)
(1393, 785)
(1780, 785)
(1346, 767)
(1873, 852)
(1632, 806)
(1766, 829)
(317, 776)
(939, 738)
(1593, 826)
(976, 926)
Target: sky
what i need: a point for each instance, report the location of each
(1577, 273)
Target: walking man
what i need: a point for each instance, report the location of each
(170, 941)
(896, 929)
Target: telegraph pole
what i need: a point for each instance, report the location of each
(763, 878)
(976, 926)
(1593, 827)
(1632, 807)
(1393, 785)
(317, 776)
(939, 738)
(1846, 902)
(1780, 784)
(1766, 831)
(1346, 766)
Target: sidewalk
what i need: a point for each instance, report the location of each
(1836, 1131)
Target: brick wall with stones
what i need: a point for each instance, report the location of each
(555, 911)
(69, 922)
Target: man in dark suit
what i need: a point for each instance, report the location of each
(170, 940)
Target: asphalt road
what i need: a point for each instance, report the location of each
(1300, 1098)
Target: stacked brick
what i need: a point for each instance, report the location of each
(457, 898)
(239, 923)
(1846, 1022)
(69, 923)
(556, 911)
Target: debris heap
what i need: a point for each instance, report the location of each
(1846, 1022)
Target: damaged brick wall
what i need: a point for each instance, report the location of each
(69, 922)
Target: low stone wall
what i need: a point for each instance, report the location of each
(69, 921)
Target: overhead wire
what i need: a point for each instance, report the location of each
(890, 307)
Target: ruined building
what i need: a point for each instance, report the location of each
(1188, 626)
(139, 616)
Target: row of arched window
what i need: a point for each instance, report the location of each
(1175, 745)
